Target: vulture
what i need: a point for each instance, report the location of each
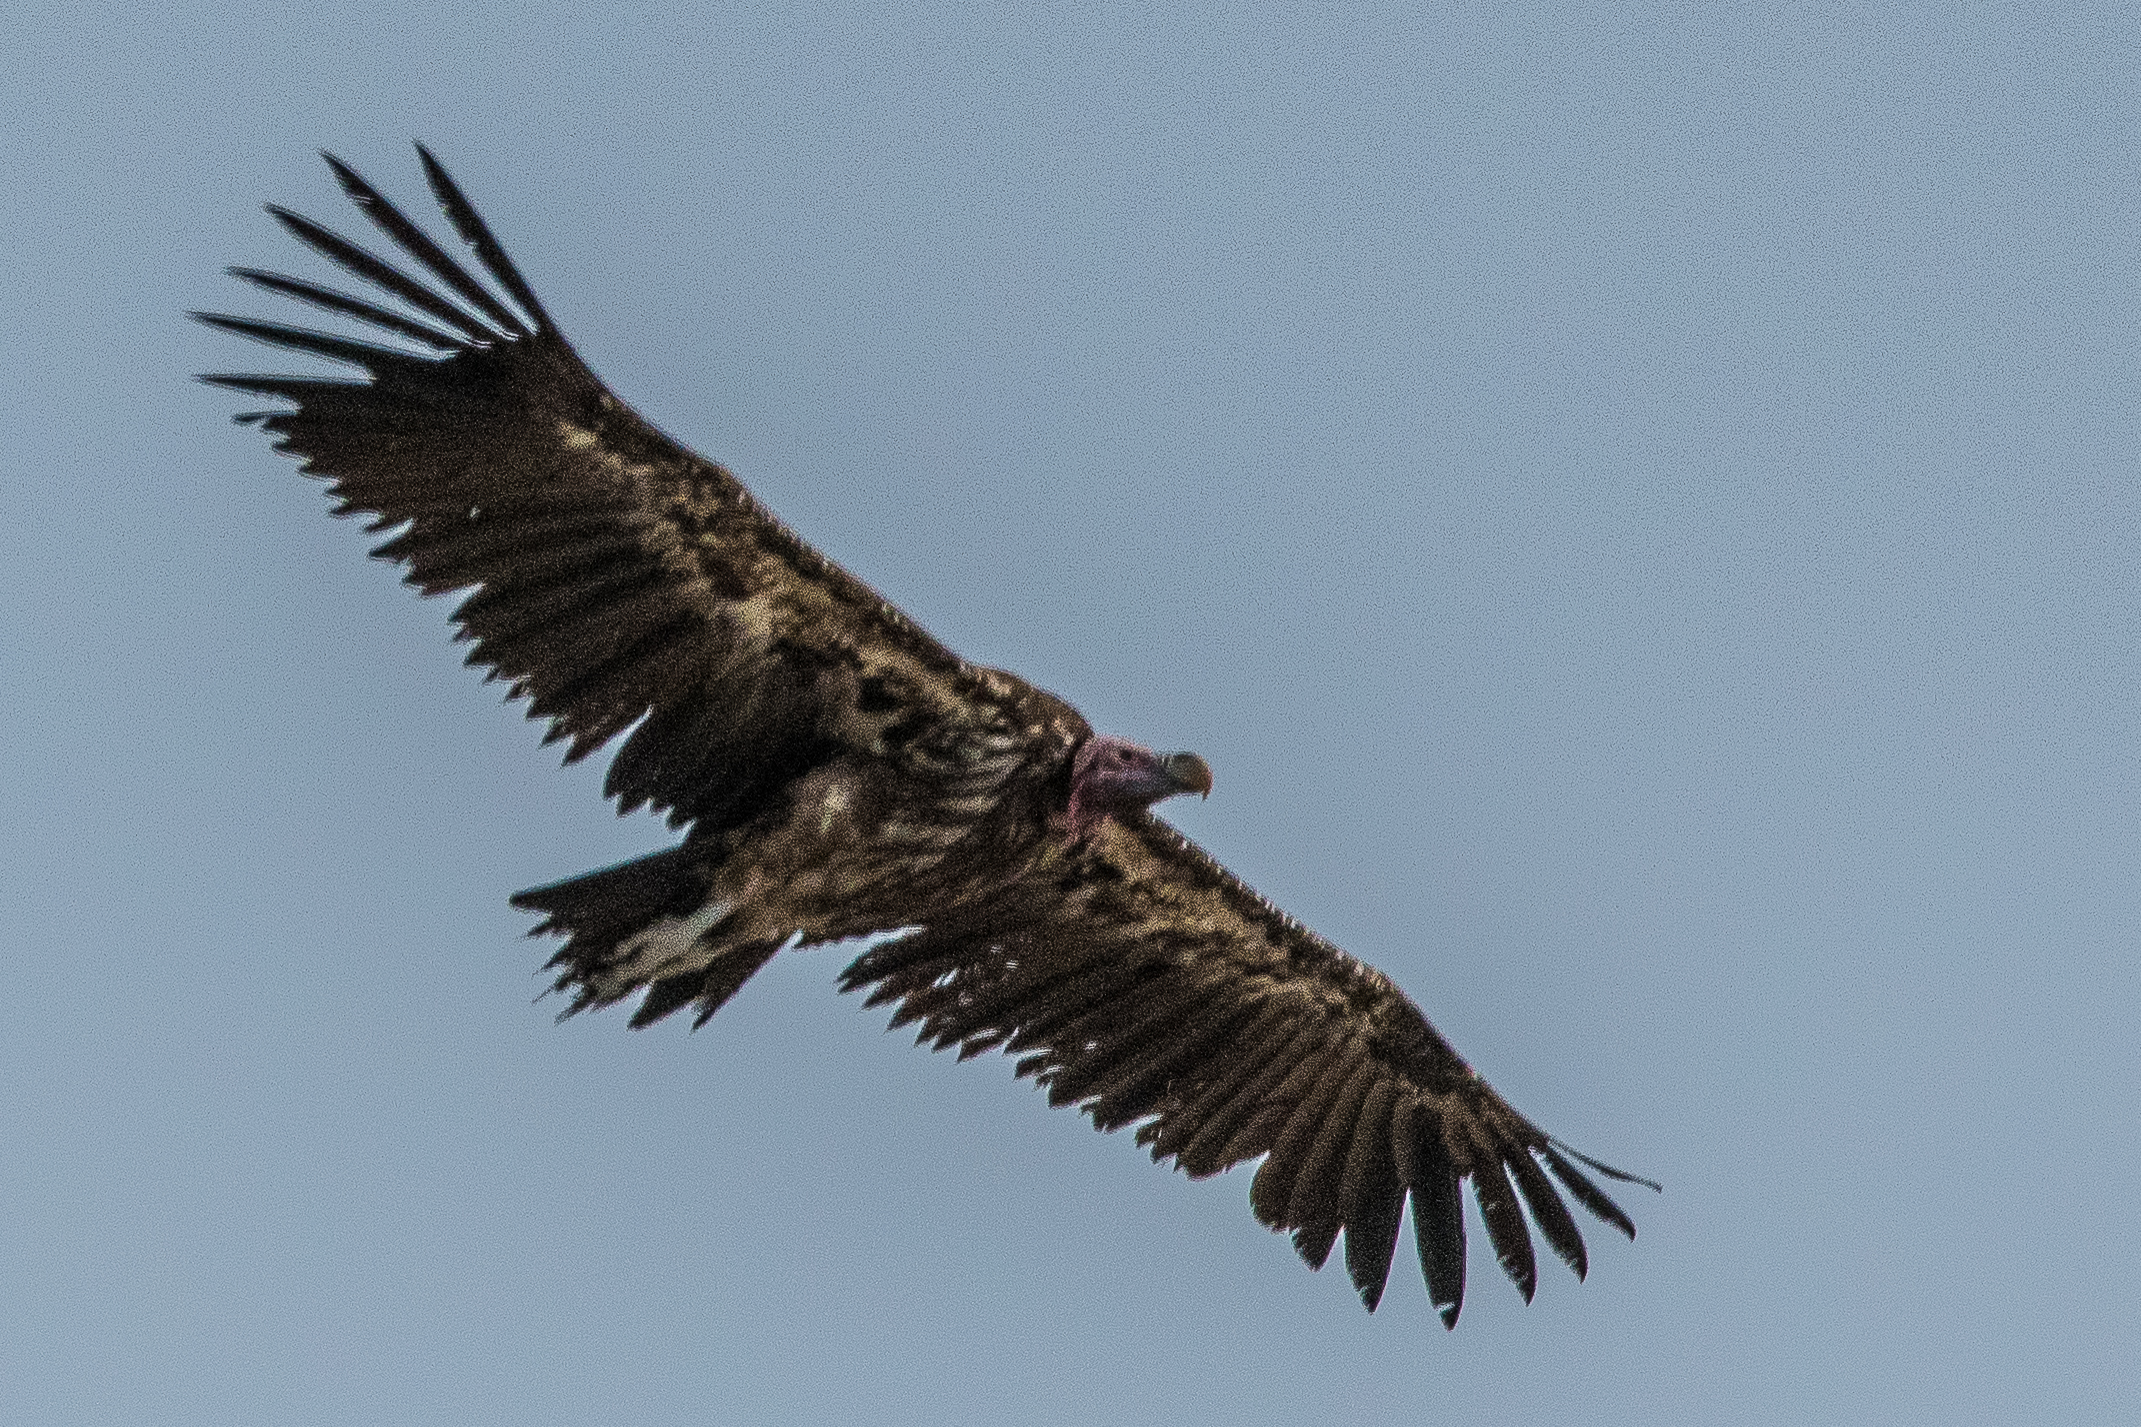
(836, 773)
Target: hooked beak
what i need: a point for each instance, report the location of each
(1187, 773)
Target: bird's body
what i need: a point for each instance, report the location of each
(838, 773)
(858, 843)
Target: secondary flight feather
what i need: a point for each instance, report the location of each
(836, 772)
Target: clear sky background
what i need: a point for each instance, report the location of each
(1640, 507)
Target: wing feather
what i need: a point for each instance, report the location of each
(1268, 1120)
(1315, 1199)
(503, 552)
(1506, 1228)
(342, 304)
(1080, 997)
(1438, 1220)
(1315, 1208)
(1373, 1199)
(359, 263)
(1134, 1090)
(613, 575)
(1588, 1194)
(314, 343)
(1299, 1124)
(417, 244)
(1150, 1020)
(1221, 1073)
(1370, 1146)
(477, 234)
(1208, 1151)
(1173, 994)
(1549, 1213)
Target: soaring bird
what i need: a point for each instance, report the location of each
(837, 773)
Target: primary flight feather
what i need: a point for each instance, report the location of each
(836, 772)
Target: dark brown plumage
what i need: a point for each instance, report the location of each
(837, 772)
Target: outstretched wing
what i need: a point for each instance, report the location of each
(1147, 983)
(619, 578)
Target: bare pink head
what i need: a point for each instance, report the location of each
(1111, 776)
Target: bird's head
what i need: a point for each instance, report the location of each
(1111, 775)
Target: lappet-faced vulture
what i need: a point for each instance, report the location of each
(836, 772)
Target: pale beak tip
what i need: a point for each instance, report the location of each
(1189, 774)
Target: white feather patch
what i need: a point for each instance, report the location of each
(664, 945)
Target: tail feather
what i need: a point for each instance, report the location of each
(710, 986)
(649, 923)
(616, 900)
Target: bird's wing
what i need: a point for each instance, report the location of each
(618, 577)
(1147, 983)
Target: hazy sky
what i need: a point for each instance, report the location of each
(1639, 509)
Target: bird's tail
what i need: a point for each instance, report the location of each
(651, 924)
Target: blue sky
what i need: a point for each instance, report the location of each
(1638, 507)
